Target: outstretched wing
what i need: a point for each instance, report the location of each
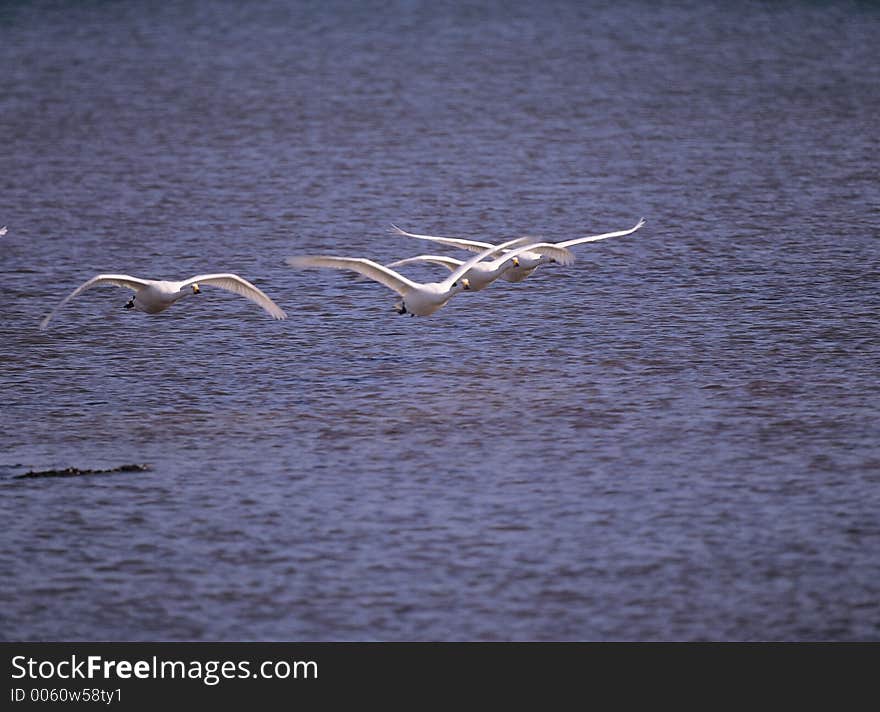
(368, 268)
(117, 280)
(449, 262)
(234, 283)
(596, 238)
(471, 245)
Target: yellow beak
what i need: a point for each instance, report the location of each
(196, 289)
(515, 261)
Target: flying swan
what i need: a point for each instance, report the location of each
(153, 296)
(482, 274)
(528, 261)
(418, 298)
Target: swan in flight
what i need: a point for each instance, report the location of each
(528, 261)
(2, 231)
(153, 296)
(417, 298)
(482, 274)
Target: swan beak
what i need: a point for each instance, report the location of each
(129, 304)
(466, 284)
(196, 289)
(515, 261)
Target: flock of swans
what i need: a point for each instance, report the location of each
(513, 261)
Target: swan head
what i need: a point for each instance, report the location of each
(196, 289)
(515, 261)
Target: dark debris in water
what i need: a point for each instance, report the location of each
(76, 472)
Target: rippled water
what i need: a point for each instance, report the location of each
(674, 438)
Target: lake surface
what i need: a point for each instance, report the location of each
(677, 437)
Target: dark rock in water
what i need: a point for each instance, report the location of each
(76, 472)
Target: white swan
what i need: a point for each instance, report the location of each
(528, 261)
(482, 274)
(2, 231)
(418, 298)
(153, 296)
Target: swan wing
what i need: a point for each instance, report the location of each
(234, 283)
(595, 238)
(471, 245)
(373, 270)
(117, 280)
(465, 266)
(449, 262)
